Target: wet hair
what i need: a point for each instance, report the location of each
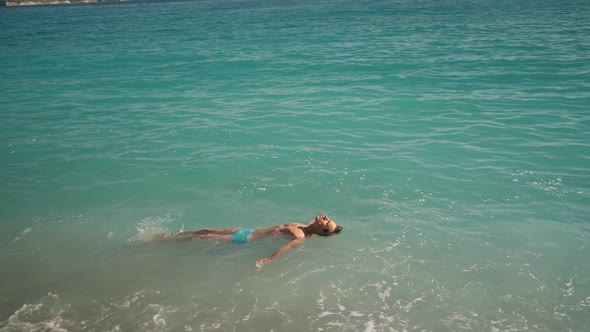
(326, 231)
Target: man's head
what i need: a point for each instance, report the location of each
(324, 226)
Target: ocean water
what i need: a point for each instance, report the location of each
(450, 139)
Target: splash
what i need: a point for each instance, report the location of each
(149, 228)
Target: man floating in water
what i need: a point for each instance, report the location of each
(320, 225)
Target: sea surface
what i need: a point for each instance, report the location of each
(450, 139)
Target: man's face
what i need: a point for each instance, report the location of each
(328, 226)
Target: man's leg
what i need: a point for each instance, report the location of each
(220, 234)
(226, 238)
(204, 232)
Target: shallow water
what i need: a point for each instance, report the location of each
(450, 139)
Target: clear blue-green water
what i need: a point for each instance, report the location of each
(450, 138)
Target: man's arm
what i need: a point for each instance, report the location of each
(280, 251)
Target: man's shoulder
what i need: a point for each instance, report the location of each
(295, 224)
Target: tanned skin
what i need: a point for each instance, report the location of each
(320, 225)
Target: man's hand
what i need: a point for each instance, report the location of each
(278, 252)
(262, 261)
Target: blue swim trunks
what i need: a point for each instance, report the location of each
(241, 236)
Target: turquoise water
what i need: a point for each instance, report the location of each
(450, 139)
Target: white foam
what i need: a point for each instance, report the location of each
(356, 314)
(159, 321)
(570, 287)
(43, 316)
(370, 326)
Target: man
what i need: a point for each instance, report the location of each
(320, 225)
